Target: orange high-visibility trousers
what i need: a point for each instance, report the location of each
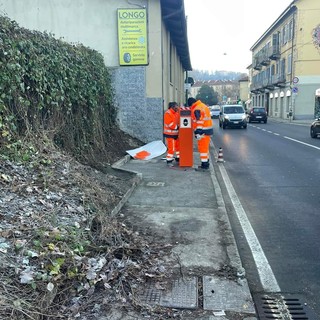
(203, 148)
(173, 147)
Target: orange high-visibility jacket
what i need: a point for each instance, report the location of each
(171, 124)
(202, 122)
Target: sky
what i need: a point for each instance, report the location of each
(221, 32)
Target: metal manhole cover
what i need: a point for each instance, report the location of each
(182, 294)
(283, 306)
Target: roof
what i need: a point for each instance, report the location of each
(200, 83)
(288, 11)
(244, 79)
(173, 15)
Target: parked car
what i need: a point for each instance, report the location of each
(232, 116)
(315, 128)
(258, 114)
(214, 111)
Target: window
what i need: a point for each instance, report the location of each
(275, 41)
(277, 71)
(273, 71)
(289, 64)
(290, 30)
(283, 67)
(284, 34)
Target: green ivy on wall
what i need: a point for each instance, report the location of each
(50, 86)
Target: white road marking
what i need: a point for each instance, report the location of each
(306, 144)
(298, 141)
(267, 278)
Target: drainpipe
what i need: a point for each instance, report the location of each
(186, 81)
(292, 109)
(162, 75)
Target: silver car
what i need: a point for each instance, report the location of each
(215, 111)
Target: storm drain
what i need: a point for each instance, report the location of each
(283, 306)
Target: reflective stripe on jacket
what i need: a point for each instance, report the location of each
(201, 117)
(171, 124)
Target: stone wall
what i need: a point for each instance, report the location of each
(139, 116)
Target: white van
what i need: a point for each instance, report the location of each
(232, 116)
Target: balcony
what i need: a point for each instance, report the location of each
(257, 65)
(267, 84)
(257, 87)
(274, 52)
(256, 62)
(279, 80)
(264, 57)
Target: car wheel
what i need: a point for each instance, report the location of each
(312, 133)
(249, 120)
(265, 121)
(245, 126)
(224, 126)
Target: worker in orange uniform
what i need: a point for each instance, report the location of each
(171, 132)
(203, 129)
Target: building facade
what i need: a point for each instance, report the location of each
(244, 91)
(142, 90)
(285, 70)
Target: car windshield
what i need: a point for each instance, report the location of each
(233, 110)
(258, 110)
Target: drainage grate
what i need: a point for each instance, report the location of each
(283, 306)
(182, 294)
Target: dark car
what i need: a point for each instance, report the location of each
(258, 114)
(315, 128)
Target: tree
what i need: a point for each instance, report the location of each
(207, 95)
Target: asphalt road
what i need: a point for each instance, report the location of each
(274, 169)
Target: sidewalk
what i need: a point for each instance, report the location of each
(184, 208)
(290, 121)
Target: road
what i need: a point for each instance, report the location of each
(274, 169)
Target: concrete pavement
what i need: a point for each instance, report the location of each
(184, 208)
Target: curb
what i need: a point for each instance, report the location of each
(136, 180)
(232, 251)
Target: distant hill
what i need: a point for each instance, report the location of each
(199, 75)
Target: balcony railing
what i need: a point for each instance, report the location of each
(257, 65)
(264, 57)
(267, 83)
(274, 52)
(279, 80)
(256, 86)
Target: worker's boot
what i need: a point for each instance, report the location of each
(204, 165)
(170, 163)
